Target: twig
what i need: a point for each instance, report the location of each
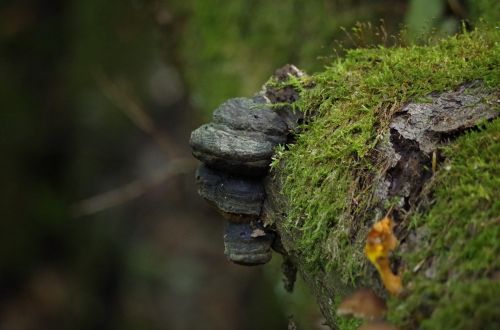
(131, 190)
(121, 95)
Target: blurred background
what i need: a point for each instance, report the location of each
(100, 223)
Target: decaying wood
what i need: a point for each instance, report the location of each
(420, 128)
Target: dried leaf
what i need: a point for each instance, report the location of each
(379, 244)
(391, 281)
(364, 304)
(257, 233)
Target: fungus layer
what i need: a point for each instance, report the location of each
(239, 198)
(247, 244)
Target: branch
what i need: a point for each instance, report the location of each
(121, 95)
(131, 190)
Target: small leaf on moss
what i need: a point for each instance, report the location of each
(379, 243)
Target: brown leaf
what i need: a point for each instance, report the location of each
(364, 304)
(258, 233)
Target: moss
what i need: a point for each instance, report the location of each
(331, 164)
(462, 246)
(468, 306)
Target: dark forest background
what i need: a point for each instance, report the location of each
(100, 223)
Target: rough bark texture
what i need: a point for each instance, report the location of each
(419, 129)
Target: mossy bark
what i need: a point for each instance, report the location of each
(413, 132)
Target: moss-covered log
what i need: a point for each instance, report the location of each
(410, 131)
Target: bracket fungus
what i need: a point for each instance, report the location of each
(239, 199)
(242, 137)
(248, 243)
(236, 149)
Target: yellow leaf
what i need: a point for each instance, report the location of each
(379, 244)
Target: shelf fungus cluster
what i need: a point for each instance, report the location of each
(235, 150)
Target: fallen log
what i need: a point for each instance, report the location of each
(409, 133)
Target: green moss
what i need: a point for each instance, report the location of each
(462, 246)
(329, 166)
(468, 306)
(349, 323)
